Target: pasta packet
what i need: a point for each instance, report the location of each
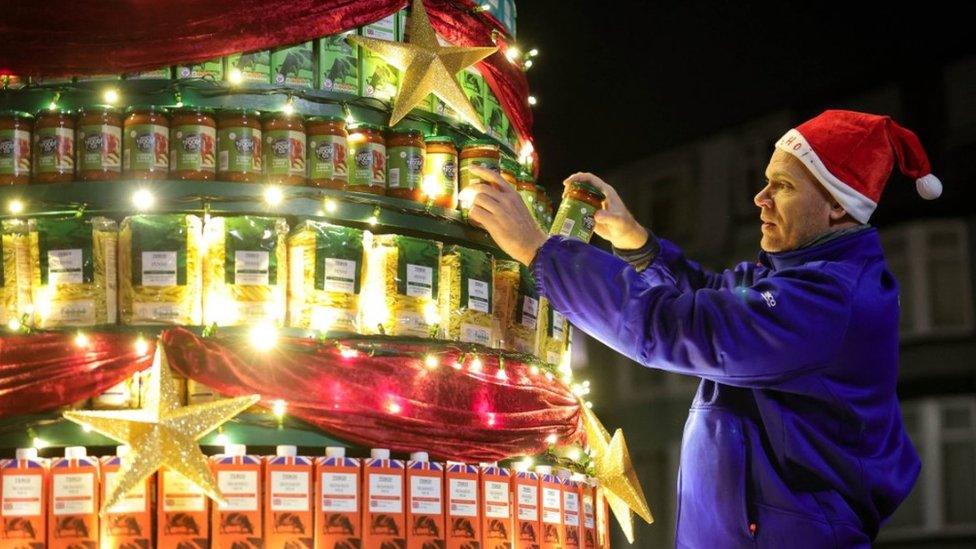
(326, 264)
(466, 294)
(400, 293)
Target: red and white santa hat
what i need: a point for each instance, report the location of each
(852, 155)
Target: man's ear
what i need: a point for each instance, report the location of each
(837, 212)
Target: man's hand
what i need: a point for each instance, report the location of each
(614, 222)
(500, 210)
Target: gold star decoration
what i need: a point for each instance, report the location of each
(615, 472)
(427, 67)
(162, 433)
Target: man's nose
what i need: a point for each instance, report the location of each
(762, 198)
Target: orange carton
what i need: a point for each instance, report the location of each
(338, 516)
(571, 509)
(463, 522)
(128, 523)
(384, 516)
(425, 502)
(288, 492)
(587, 496)
(183, 519)
(525, 490)
(496, 510)
(237, 522)
(602, 518)
(551, 490)
(23, 500)
(73, 501)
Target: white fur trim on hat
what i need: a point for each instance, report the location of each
(859, 206)
(929, 187)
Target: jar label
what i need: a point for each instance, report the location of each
(239, 149)
(467, 177)
(405, 166)
(54, 149)
(440, 175)
(193, 148)
(145, 148)
(327, 157)
(367, 164)
(285, 152)
(15, 152)
(100, 148)
(574, 220)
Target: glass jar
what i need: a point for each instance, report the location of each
(239, 146)
(327, 152)
(145, 143)
(509, 167)
(440, 174)
(405, 151)
(367, 159)
(54, 147)
(478, 152)
(15, 147)
(575, 216)
(525, 186)
(99, 150)
(193, 144)
(543, 207)
(284, 148)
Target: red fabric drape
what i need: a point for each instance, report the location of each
(389, 400)
(41, 372)
(62, 37)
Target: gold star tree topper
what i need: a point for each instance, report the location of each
(615, 472)
(162, 433)
(428, 67)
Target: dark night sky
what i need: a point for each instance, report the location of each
(617, 80)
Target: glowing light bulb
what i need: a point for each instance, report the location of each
(53, 106)
(528, 64)
(15, 206)
(394, 408)
(278, 408)
(289, 107)
(142, 345)
(143, 199)
(430, 187)
(500, 375)
(552, 439)
(81, 340)
(263, 337)
(348, 352)
(431, 361)
(533, 52)
(476, 364)
(273, 196)
(372, 220)
(588, 404)
(533, 101)
(111, 96)
(331, 206)
(39, 443)
(222, 440)
(457, 365)
(86, 428)
(235, 76)
(534, 370)
(512, 53)
(14, 325)
(491, 420)
(431, 315)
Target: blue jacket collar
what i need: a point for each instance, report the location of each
(858, 245)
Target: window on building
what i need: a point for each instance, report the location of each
(930, 260)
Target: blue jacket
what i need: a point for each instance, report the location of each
(795, 437)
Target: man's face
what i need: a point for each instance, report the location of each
(794, 207)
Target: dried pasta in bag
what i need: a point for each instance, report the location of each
(326, 263)
(523, 331)
(15, 274)
(245, 271)
(506, 286)
(160, 274)
(73, 273)
(400, 291)
(466, 294)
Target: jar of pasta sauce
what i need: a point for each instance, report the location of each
(440, 173)
(477, 152)
(405, 152)
(284, 148)
(525, 186)
(193, 144)
(99, 150)
(575, 216)
(239, 146)
(367, 159)
(15, 147)
(145, 143)
(543, 207)
(327, 152)
(509, 169)
(54, 147)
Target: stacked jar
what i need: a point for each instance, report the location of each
(54, 146)
(367, 159)
(239, 145)
(440, 173)
(478, 152)
(145, 143)
(284, 148)
(405, 152)
(99, 150)
(15, 147)
(193, 144)
(327, 142)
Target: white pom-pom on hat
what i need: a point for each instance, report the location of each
(929, 187)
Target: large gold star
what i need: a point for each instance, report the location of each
(615, 472)
(162, 433)
(428, 67)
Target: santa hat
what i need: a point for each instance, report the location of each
(852, 154)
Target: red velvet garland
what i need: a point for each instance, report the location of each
(61, 37)
(391, 399)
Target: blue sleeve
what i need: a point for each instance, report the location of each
(670, 264)
(780, 327)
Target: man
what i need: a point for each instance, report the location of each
(795, 437)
